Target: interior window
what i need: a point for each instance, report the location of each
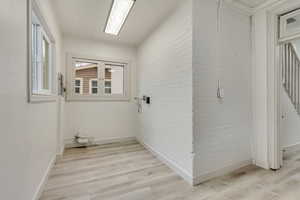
(86, 72)
(98, 80)
(41, 60)
(46, 63)
(114, 79)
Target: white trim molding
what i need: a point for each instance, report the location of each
(101, 63)
(32, 5)
(273, 94)
(292, 148)
(44, 180)
(240, 7)
(252, 10)
(275, 154)
(221, 172)
(268, 4)
(170, 163)
(70, 142)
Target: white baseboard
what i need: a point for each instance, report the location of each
(44, 180)
(292, 148)
(61, 150)
(262, 164)
(220, 172)
(174, 166)
(69, 143)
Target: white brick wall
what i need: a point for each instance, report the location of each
(222, 129)
(165, 74)
(179, 67)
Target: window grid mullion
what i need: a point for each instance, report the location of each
(101, 75)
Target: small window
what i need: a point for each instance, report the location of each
(94, 86)
(41, 65)
(99, 79)
(78, 86)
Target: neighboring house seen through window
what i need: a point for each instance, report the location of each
(93, 86)
(78, 86)
(94, 79)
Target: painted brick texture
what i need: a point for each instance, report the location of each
(165, 74)
(222, 128)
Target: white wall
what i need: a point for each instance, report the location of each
(28, 131)
(290, 126)
(101, 120)
(165, 74)
(222, 128)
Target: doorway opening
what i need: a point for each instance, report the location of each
(283, 81)
(290, 96)
(289, 42)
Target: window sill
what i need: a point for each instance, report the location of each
(42, 98)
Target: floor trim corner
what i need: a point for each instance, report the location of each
(44, 180)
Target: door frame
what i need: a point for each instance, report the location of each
(275, 154)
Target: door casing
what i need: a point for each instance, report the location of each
(275, 155)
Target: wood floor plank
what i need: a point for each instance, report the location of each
(127, 171)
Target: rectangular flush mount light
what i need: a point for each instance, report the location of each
(118, 14)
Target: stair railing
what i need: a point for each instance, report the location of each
(291, 74)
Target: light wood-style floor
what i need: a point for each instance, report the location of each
(126, 171)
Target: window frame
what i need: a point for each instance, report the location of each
(284, 34)
(38, 94)
(80, 86)
(91, 87)
(101, 96)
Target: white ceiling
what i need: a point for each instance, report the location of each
(252, 3)
(86, 19)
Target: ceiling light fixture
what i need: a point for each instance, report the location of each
(118, 14)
